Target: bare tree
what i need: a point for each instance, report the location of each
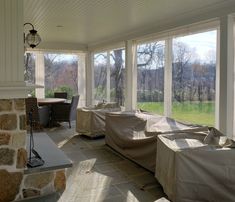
(50, 69)
(182, 57)
(150, 57)
(29, 62)
(74, 76)
(117, 73)
(100, 74)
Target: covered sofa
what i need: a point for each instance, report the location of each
(91, 120)
(196, 166)
(134, 134)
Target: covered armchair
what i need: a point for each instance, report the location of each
(65, 112)
(40, 114)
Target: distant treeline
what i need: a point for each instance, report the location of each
(190, 82)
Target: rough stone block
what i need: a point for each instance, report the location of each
(9, 185)
(21, 158)
(18, 139)
(30, 193)
(38, 180)
(5, 105)
(60, 181)
(8, 122)
(22, 122)
(20, 104)
(4, 138)
(49, 189)
(6, 156)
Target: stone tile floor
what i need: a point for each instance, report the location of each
(99, 173)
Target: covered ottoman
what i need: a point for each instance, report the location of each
(134, 134)
(91, 120)
(196, 167)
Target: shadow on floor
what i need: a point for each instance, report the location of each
(101, 174)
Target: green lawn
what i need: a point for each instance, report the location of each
(192, 112)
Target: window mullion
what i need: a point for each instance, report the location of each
(108, 77)
(168, 78)
(89, 79)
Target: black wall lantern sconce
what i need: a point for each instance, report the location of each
(32, 38)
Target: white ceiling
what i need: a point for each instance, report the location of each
(90, 21)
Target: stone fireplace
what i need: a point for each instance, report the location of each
(16, 181)
(13, 155)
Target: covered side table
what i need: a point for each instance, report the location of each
(191, 170)
(91, 120)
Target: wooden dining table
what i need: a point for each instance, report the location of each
(50, 101)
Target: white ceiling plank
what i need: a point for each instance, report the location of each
(94, 21)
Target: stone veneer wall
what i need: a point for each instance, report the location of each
(38, 184)
(14, 185)
(13, 156)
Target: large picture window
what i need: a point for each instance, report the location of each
(150, 76)
(109, 73)
(189, 65)
(100, 76)
(29, 73)
(117, 74)
(193, 78)
(61, 74)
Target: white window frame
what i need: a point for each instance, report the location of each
(108, 72)
(168, 38)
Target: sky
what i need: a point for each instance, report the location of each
(61, 57)
(202, 42)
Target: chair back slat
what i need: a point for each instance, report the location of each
(61, 95)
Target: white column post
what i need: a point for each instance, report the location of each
(40, 75)
(82, 79)
(108, 77)
(168, 78)
(226, 86)
(12, 83)
(89, 78)
(131, 76)
(11, 40)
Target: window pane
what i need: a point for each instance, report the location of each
(100, 76)
(150, 78)
(61, 74)
(117, 76)
(194, 74)
(29, 74)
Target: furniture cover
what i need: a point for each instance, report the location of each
(91, 120)
(134, 134)
(196, 167)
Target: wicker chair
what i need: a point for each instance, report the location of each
(65, 112)
(40, 114)
(61, 95)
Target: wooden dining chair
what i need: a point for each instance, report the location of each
(65, 112)
(40, 114)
